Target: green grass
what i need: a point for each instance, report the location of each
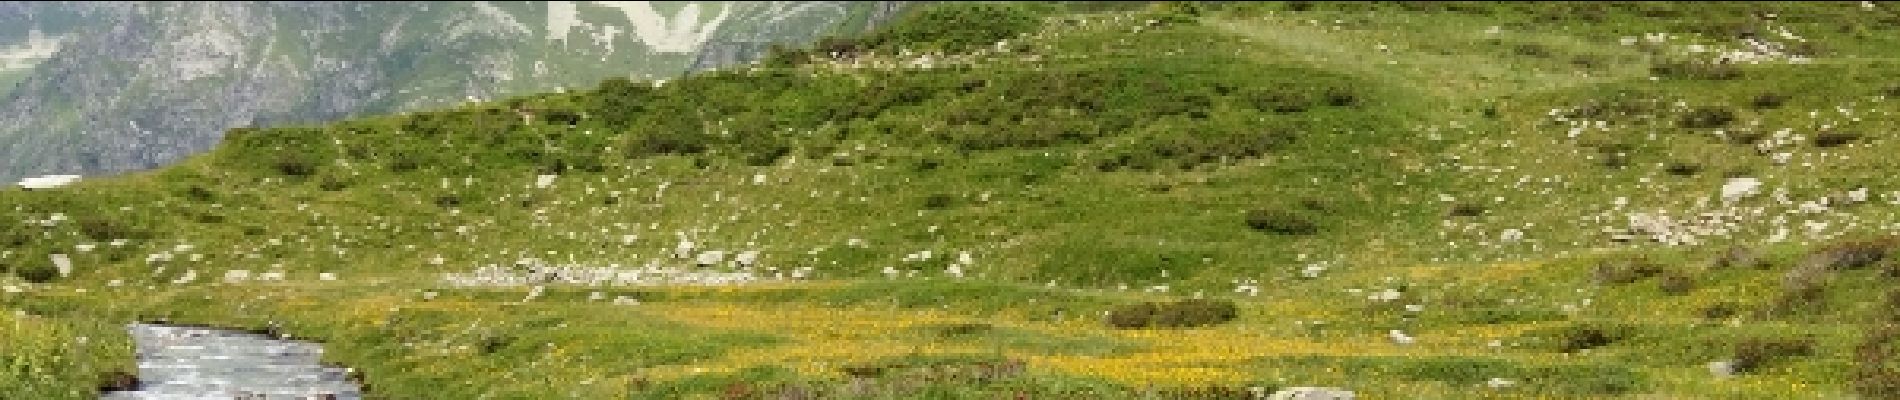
(1100, 151)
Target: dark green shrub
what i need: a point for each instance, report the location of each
(332, 184)
(1180, 314)
(1195, 312)
(1626, 270)
(1683, 169)
(1706, 118)
(1752, 355)
(1676, 284)
(1740, 257)
(1281, 222)
(1767, 101)
(104, 229)
(1850, 254)
(1722, 310)
(1467, 210)
(199, 194)
(939, 201)
(296, 167)
(117, 381)
(37, 272)
(1746, 137)
(1835, 139)
(1132, 316)
(1590, 336)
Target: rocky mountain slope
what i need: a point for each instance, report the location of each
(105, 87)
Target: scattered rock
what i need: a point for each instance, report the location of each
(1722, 369)
(1313, 393)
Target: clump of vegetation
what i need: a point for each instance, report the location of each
(1876, 371)
(1626, 270)
(1846, 255)
(1721, 310)
(1180, 314)
(1768, 101)
(37, 272)
(1752, 355)
(1805, 286)
(1586, 336)
(1676, 283)
(1467, 210)
(1683, 168)
(939, 201)
(1707, 118)
(1740, 257)
(1835, 138)
(1282, 222)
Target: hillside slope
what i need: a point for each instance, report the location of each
(1419, 199)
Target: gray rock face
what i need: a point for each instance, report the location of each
(791, 22)
(97, 88)
(197, 363)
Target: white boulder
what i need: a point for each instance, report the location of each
(1313, 393)
(1740, 188)
(48, 181)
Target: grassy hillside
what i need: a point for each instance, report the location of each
(1525, 193)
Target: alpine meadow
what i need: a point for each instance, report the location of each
(1056, 200)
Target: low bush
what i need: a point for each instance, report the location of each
(1835, 139)
(1767, 101)
(1721, 310)
(36, 272)
(1740, 257)
(1683, 169)
(1752, 355)
(1588, 336)
(1281, 222)
(1467, 210)
(1626, 270)
(1676, 284)
(1850, 254)
(1706, 118)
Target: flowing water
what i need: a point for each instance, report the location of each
(183, 362)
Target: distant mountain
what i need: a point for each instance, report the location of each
(106, 87)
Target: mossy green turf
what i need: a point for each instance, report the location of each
(1094, 151)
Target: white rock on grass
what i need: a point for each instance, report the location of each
(1313, 393)
(63, 264)
(1740, 188)
(1400, 337)
(236, 275)
(1722, 369)
(326, 276)
(711, 258)
(1511, 236)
